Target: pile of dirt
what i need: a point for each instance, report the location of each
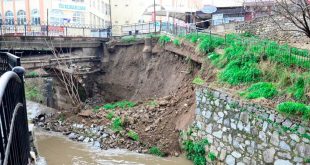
(157, 125)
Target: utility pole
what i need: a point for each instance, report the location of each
(155, 16)
(110, 13)
(110, 10)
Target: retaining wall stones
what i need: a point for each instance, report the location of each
(245, 133)
(265, 27)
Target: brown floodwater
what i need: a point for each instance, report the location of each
(59, 150)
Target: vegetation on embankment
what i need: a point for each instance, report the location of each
(118, 124)
(33, 91)
(261, 69)
(195, 150)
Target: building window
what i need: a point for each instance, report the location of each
(35, 17)
(21, 17)
(56, 17)
(9, 18)
(78, 18)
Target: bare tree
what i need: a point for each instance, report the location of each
(66, 77)
(296, 12)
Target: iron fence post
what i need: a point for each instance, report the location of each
(83, 32)
(47, 22)
(25, 28)
(66, 31)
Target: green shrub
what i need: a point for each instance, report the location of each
(176, 42)
(156, 151)
(195, 151)
(32, 74)
(208, 44)
(196, 37)
(292, 108)
(211, 156)
(236, 73)
(298, 89)
(96, 109)
(247, 34)
(152, 36)
(198, 81)
(117, 124)
(152, 103)
(121, 104)
(61, 117)
(133, 135)
(261, 89)
(110, 115)
(33, 93)
(128, 39)
(213, 56)
(164, 39)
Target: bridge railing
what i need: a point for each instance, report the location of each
(14, 148)
(48, 29)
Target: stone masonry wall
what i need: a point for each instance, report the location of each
(241, 132)
(265, 27)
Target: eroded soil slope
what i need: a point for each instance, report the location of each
(164, 78)
(130, 75)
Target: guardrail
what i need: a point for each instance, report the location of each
(14, 148)
(155, 27)
(172, 28)
(63, 30)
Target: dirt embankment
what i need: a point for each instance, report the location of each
(163, 78)
(130, 75)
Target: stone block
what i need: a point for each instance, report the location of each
(268, 155)
(230, 160)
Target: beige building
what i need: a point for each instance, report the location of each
(134, 11)
(58, 12)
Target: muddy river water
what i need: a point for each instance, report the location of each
(58, 150)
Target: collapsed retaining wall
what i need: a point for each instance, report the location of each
(246, 133)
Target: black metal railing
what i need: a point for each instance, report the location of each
(14, 148)
(53, 29)
(8, 61)
(156, 27)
